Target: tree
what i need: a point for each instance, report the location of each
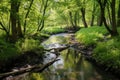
(41, 22)
(82, 6)
(4, 18)
(118, 15)
(26, 16)
(93, 13)
(103, 4)
(114, 27)
(68, 13)
(15, 4)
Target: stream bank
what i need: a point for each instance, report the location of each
(72, 61)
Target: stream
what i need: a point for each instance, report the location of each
(71, 66)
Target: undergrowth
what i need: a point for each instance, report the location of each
(9, 50)
(53, 30)
(107, 51)
(90, 35)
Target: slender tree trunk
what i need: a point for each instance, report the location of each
(114, 28)
(98, 17)
(83, 17)
(75, 19)
(103, 19)
(102, 10)
(92, 20)
(5, 29)
(118, 15)
(71, 19)
(112, 31)
(41, 24)
(13, 18)
(109, 15)
(19, 30)
(93, 14)
(26, 16)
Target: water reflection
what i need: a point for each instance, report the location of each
(71, 66)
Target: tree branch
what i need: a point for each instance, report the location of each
(26, 16)
(36, 68)
(3, 27)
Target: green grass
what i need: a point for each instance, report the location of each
(106, 52)
(53, 30)
(9, 50)
(90, 35)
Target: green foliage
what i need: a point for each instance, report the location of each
(27, 44)
(108, 53)
(90, 35)
(7, 50)
(53, 30)
(36, 76)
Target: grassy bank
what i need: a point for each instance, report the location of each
(53, 30)
(31, 42)
(9, 50)
(90, 35)
(107, 51)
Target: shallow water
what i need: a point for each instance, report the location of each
(71, 66)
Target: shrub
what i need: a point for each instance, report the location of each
(108, 53)
(7, 50)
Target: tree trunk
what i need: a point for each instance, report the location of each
(41, 24)
(118, 15)
(114, 28)
(93, 14)
(71, 19)
(109, 15)
(13, 18)
(19, 30)
(26, 16)
(75, 18)
(102, 11)
(36, 68)
(83, 17)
